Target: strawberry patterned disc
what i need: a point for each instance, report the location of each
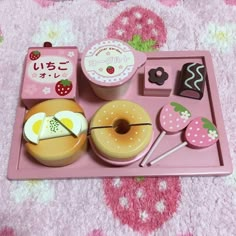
(200, 133)
(173, 118)
(144, 204)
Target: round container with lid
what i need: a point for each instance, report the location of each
(109, 65)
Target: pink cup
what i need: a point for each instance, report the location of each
(109, 65)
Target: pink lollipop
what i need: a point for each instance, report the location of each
(173, 118)
(200, 133)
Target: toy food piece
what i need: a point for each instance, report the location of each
(55, 132)
(63, 123)
(158, 81)
(50, 73)
(192, 80)
(109, 66)
(120, 131)
(200, 133)
(70, 120)
(158, 76)
(173, 118)
(33, 127)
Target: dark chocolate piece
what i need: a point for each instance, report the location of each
(192, 80)
(158, 76)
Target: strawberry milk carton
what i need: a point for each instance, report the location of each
(50, 72)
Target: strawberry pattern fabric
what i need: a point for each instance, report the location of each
(230, 2)
(144, 204)
(1, 36)
(7, 231)
(106, 4)
(169, 3)
(45, 3)
(140, 27)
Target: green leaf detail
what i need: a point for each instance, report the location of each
(1, 39)
(208, 125)
(140, 45)
(36, 52)
(65, 82)
(179, 108)
(139, 178)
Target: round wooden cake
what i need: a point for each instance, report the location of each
(58, 151)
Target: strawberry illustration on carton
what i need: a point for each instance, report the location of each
(49, 73)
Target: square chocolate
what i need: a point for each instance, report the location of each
(158, 81)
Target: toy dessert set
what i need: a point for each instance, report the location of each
(114, 111)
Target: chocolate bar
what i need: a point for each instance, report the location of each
(192, 80)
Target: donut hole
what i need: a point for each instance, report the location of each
(121, 126)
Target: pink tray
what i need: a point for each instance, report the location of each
(214, 160)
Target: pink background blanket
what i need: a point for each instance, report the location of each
(177, 206)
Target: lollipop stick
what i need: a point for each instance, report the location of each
(155, 144)
(168, 153)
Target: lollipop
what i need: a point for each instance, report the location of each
(200, 133)
(173, 118)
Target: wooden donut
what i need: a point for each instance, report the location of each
(59, 151)
(120, 130)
